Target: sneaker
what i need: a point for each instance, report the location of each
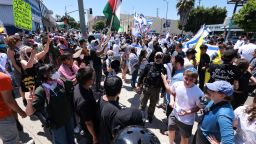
(31, 142)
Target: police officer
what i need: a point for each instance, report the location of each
(151, 81)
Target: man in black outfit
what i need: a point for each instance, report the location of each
(85, 105)
(203, 65)
(226, 71)
(108, 107)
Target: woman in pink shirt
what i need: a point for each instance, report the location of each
(68, 69)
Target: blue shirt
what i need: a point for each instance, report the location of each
(218, 122)
(178, 76)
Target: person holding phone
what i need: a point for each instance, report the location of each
(29, 66)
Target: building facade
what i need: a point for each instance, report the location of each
(41, 17)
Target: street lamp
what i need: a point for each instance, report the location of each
(167, 6)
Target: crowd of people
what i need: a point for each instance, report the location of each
(58, 75)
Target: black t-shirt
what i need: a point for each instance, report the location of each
(86, 108)
(244, 83)
(226, 72)
(204, 61)
(108, 112)
(95, 59)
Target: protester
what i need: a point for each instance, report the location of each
(241, 94)
(29, 60)
(185, 103)
(218, 117)
(85, 105)
(8, 129)
(108, 107)
(226, 71)
(151, 81)
(245, 123)
(143, 61)
(58, 108)
(68, 69)
(203, 65)
(190, 59)
(134, 66)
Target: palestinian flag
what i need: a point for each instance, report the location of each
(112, 8)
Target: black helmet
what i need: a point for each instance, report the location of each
(135, 135)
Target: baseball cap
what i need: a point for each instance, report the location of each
(220, 86)
(192, 69)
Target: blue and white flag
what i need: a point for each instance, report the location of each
(202, 31)
(141, 24)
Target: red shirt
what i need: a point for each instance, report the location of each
(5, 84)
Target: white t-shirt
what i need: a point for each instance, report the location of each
(238, 44)
(116, 49)
(246, 132)
(186, 99)
(187, 63)
(246, 51)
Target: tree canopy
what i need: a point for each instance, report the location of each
(246, 18)
(98, 26)
(70, 20)
(201, 15)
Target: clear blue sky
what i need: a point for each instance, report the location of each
(146, 7)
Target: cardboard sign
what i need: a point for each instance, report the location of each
(22, 14)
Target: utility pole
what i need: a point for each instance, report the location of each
(82, 18)
(167, 6)
(157, 13)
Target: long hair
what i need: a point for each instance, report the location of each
(142, 55)
(251, 111)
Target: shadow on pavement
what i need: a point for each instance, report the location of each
(24, 137)
(45, 133)
(128, 88)
(135, 101)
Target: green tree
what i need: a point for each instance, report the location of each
(246, 18)
(71, 22)
(202, 15)
(184, 7)
(98, 26)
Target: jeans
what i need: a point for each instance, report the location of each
(134, 78)
(167, 98)
(64, 134)
(8, 130)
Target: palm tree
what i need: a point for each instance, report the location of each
(184, 7)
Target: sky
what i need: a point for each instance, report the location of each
(146, 7)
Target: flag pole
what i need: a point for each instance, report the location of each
(112, 18)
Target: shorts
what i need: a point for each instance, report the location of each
(174, 124)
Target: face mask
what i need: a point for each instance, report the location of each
(55, 76)
(81, 56)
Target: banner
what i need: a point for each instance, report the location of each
(22, 14)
